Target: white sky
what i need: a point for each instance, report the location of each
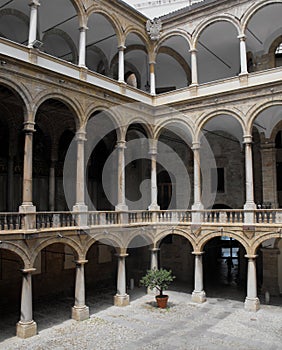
(159, 10)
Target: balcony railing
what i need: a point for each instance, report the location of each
(51, 220)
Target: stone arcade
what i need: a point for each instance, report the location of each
(84, 79)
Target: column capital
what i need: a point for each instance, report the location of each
(251, 256)
(81, 262)
(154, 250)
(29, 270)
(198, 253)
(153, 146)
(121, 144)
(83, 28)
(152, 62)
(34, 3)
(29, 127)
(193, 50)
(196, 146)
(248, 139)
(242, 37)
(121, 47)
(80, 136)
(121, 255)
(268, 145)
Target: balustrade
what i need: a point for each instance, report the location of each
(46, 220)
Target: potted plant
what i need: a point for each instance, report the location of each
(160, 280)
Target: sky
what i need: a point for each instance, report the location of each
(159, 10)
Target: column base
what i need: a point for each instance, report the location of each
(26, 329)
(199, 297)
(154, 207)
(121, 300)
(252, 304)
(80, 313)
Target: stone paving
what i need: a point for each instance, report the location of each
(217, 324)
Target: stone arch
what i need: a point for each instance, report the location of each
(175, 32)
(67, 39)
(253, 9)
(272, 49)
(142, 36)
(147, 127)
(206, 117)
(108, 239)
(20, 251)
(16, 13)
(175, 231)
(256, 110)
(64, 240)
(176, 120)
(207, 22)
(201, 242)
(112, 18)
(146, 236)
(69, 102)
(264, 237)
(103, 61)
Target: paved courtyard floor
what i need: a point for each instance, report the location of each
(217, 324)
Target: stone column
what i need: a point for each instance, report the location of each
(269, 180)
(121, 298)
(194, 67)
(10, 185)
(270, 271)
(252, 302)
(34, 4)
(154, 265)
(52, 185)
(250, 204)
(121, 49)
(243, 54)
(152, 78)
(121, 205)
(80, 311)
(82, 47)
(26, 327)
(80, 206)
(27, 206)
(198, 295)
(154, 186)
(196, 217)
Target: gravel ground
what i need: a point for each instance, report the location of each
(217, 324)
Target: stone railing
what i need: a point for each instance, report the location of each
(49, 220)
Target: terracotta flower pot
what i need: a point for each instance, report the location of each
(162, 301)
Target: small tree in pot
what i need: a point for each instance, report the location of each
(160, 280)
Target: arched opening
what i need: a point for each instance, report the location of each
(59, 29)
(263, 32)
(225, 268)
(55, 129)
(101, 192)
(219, 46)
(138, 260)
(176, 255)
(100, 272)
(53, 284)
(173, 65)
(101, 44)
(138, 168)
(10, 292)
(224, 170)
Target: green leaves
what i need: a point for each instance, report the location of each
(159, 279)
